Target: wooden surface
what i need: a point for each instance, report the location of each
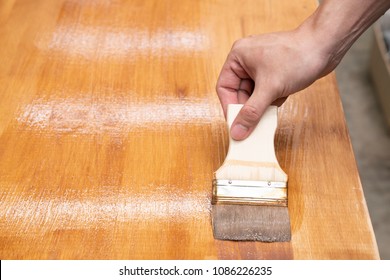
(110, 131)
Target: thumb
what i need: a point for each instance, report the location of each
(249, 116)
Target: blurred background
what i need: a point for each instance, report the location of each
(364, 84)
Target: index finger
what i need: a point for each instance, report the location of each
(228, 84)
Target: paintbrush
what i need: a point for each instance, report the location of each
(249, 198)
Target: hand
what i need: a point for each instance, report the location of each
(265, 69)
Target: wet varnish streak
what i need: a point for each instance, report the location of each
(110, 131)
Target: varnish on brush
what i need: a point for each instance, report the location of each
(249, 199)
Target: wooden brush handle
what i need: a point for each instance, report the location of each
(253, 158)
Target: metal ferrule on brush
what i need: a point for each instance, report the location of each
(249, 192)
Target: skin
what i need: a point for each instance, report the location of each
(265, 69)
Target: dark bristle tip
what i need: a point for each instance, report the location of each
(251, 223)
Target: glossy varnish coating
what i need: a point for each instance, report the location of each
(110, 131)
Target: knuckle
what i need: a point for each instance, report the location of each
(249, 114)
(237, 44)
(218, 87)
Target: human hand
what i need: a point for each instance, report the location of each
(265, 69)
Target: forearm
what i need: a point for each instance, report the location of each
(336, 25)
(256, 73)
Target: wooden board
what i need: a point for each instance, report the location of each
(110, 131)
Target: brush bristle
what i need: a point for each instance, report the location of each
(251, 223)
(252, 159)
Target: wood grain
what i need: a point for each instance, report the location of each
(110, 131)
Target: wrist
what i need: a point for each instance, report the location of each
(335, 25)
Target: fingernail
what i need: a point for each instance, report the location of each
(239, 131)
